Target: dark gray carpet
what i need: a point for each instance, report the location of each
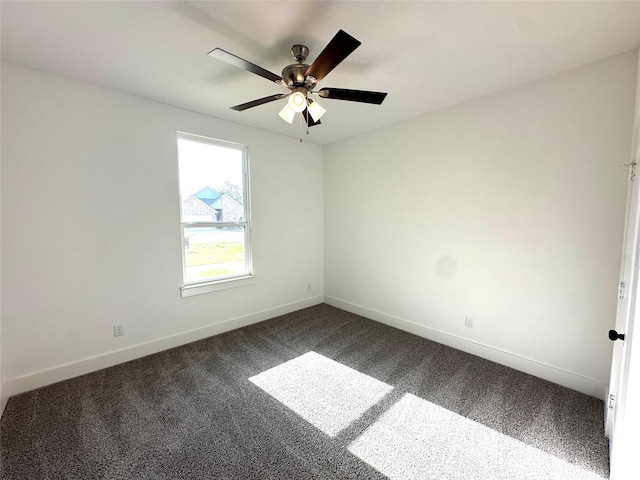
(372, 402)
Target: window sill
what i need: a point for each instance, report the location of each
(216, 286)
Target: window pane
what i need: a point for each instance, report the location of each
(213, 252)
(211, 182)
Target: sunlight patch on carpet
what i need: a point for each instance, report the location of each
(418, 439)
(325, 393)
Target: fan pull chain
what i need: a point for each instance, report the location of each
(300, 127)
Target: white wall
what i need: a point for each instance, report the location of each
(508, 208)
(90, 237)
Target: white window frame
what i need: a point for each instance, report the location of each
(197, 287)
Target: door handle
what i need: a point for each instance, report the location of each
(613, 335)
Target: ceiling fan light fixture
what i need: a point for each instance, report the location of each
(287, 114)
(297, 101)
(316, 110)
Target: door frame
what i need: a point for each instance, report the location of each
(627, 293)
(622, 423)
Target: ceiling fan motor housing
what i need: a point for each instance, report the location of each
(294, 76)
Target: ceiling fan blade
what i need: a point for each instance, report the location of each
(236, 61)
(353, 95)
(310, 121)
(260, 101)
(339, 48)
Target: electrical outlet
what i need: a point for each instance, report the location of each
(468, 321)
(308, 287)
(118, 330)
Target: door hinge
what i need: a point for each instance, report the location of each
(621, 290)
(632, 170)
(611, 401)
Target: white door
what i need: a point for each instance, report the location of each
(615, 405)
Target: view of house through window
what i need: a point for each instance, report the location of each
(214, 209)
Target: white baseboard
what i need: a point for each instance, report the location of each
(3, 400)
(553, 374)
(17, 385)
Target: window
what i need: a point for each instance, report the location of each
(214, 211)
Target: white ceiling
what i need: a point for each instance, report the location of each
(426, 55)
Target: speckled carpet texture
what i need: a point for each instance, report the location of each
(316, 394)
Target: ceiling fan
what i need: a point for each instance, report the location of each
(301, 79)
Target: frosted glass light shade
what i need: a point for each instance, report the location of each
(315, 110)
(297, 102)
(287, 114)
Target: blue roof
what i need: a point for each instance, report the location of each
(208, 195)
